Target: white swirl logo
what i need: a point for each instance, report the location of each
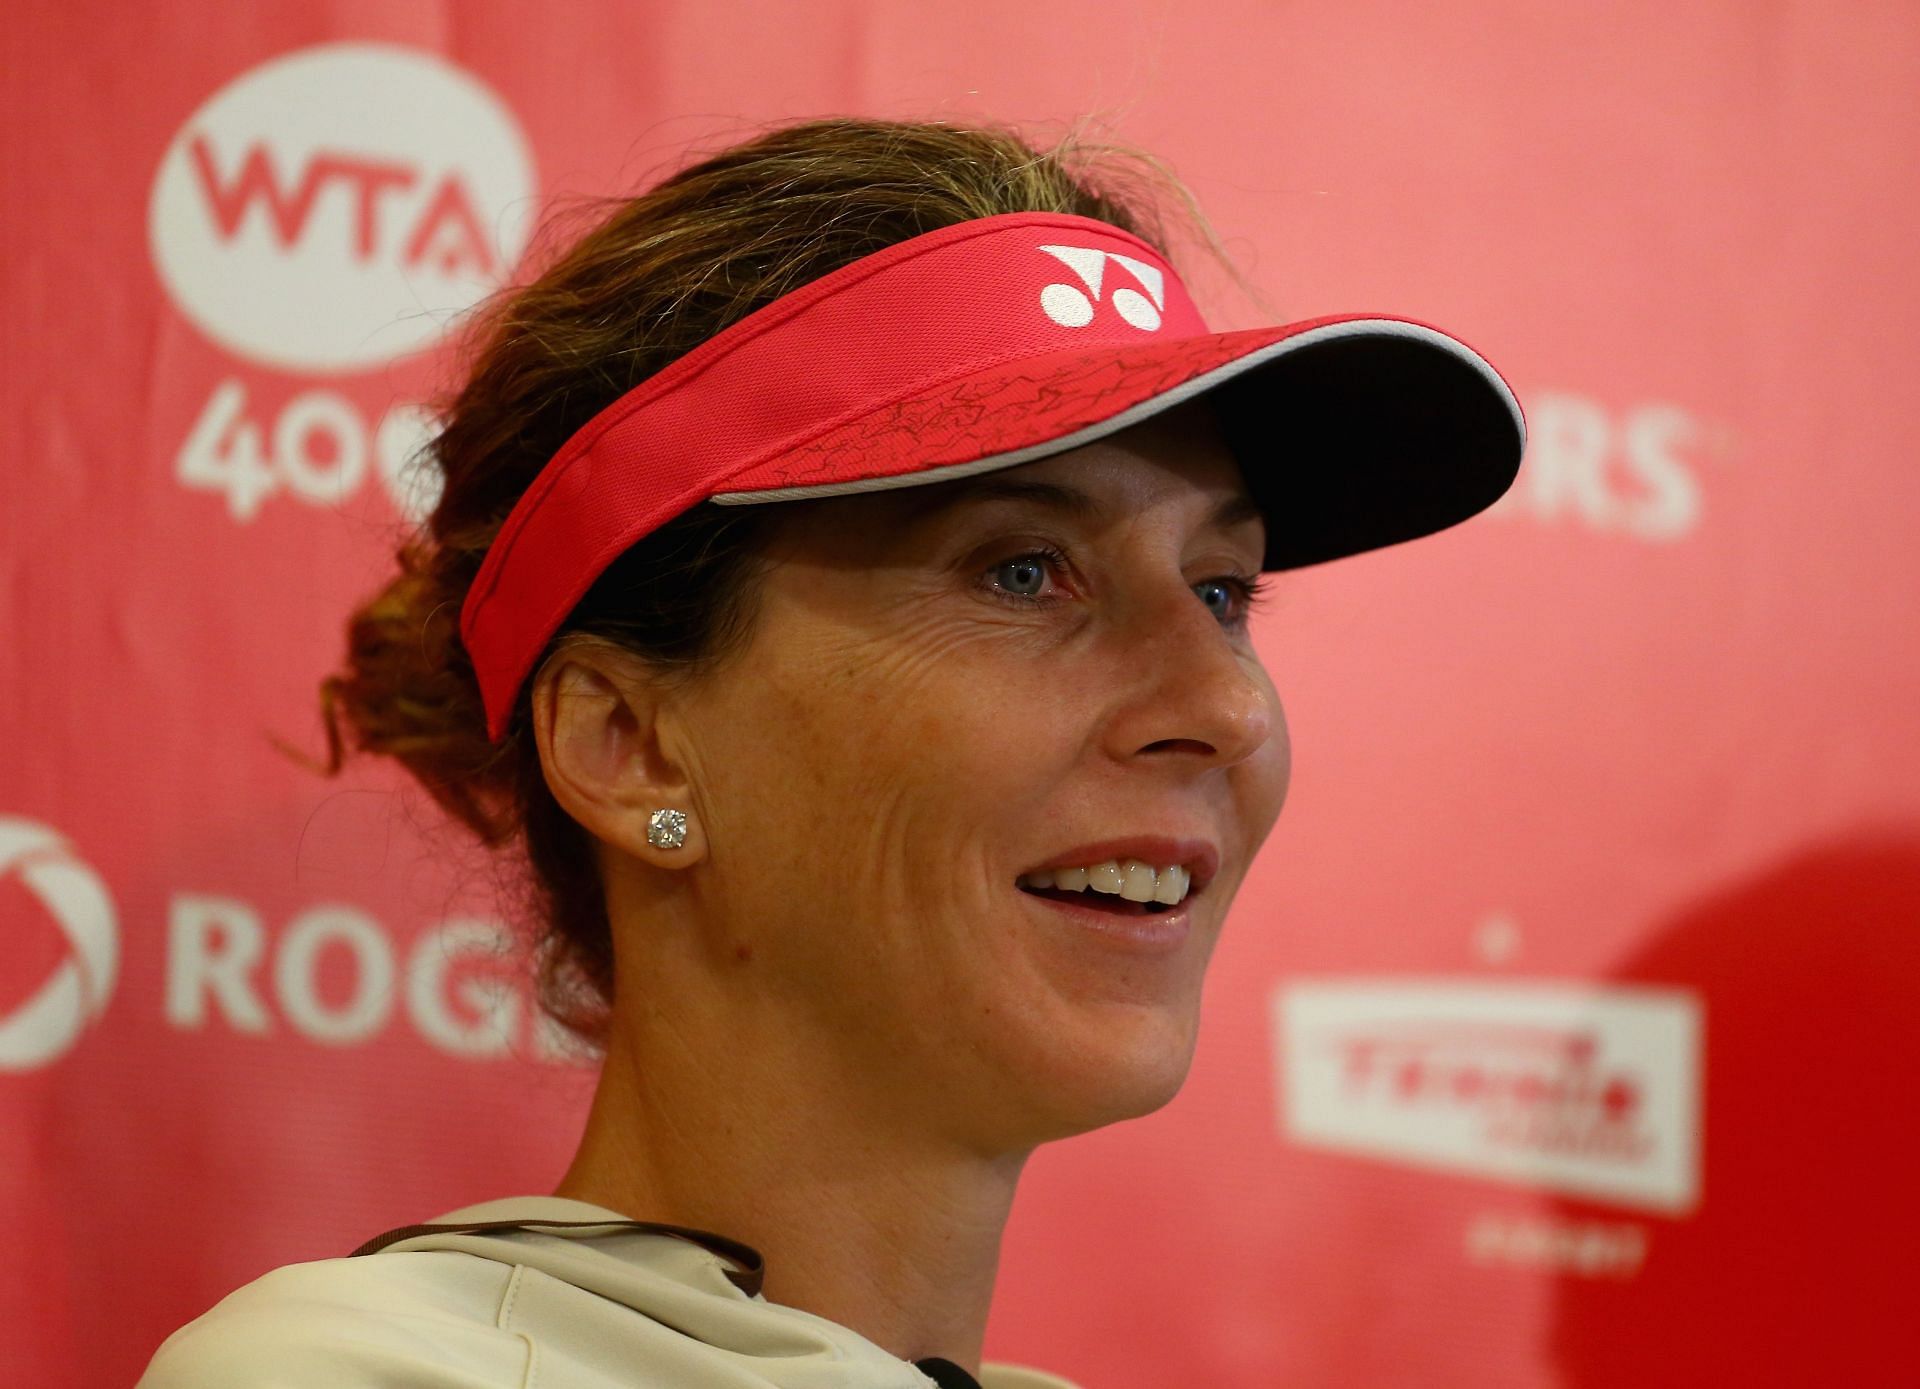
(337, 207)
(47, 1024)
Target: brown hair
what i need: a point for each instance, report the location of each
(658, 275)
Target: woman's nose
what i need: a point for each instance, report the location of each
(1194, 685)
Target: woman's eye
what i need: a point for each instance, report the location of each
(1027, 571)
(1021, 577)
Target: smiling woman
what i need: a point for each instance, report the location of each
(853, 541)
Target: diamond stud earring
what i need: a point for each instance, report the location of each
(667, 829)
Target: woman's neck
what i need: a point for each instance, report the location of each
(871, 1222)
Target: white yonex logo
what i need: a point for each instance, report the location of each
(1071, 308)
(78, 989)
(335, 208)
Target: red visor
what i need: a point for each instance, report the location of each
(984, 345)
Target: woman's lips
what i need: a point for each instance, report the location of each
(1137, 930)
(1100, 901)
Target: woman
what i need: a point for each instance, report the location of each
(880, 835)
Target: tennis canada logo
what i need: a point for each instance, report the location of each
(1072, 307)
(1588, 1090)
(76, 992)
(337, 207)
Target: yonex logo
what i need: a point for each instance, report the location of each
(77, 990)
(1073, 308)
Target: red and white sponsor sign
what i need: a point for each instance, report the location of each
(1589, 1090)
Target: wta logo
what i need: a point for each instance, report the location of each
(77, 991)
(337, 207)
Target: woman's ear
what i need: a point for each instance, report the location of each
(596, 724)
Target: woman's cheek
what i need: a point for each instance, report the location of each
(1269, 780)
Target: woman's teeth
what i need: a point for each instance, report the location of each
(1128, 878)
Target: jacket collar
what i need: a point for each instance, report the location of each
(594, 1248)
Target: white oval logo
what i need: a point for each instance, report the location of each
(337, 207)
(77, 991)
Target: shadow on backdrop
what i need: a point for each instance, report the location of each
(1798, 1264)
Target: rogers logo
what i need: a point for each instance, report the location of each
(335, 208)
(49, 1022)
(1587, 1090)
(1635, 472)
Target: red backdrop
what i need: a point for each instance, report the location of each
(1553, 1038)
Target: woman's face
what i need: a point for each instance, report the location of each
(930, 707)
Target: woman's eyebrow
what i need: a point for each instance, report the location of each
(1055, 496)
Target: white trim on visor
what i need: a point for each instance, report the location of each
(1153, 405)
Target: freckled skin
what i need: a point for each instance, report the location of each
(839, 1029)
(898, 743)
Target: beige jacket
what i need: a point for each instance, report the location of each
(594, 1301)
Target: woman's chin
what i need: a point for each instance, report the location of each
(1106, 1083)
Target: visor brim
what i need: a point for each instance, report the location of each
(1352, 433)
